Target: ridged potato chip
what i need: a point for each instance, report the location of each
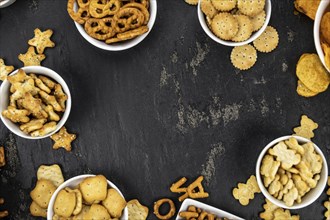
(307, 7)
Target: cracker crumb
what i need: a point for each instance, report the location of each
(230, 113)
(33, 5)
(264, 107)
(199, 57)
(13, 163)
(284, 67)
(164, 76)
(291, 34)
(174, 57)
(262, 81)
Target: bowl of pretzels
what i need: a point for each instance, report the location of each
(113, 25)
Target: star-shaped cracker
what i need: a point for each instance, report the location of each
(41, 40)
(4, 70)
(30, 58)
(63, 139)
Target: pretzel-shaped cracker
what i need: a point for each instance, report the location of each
(82, 14)
(105, 8)
(100, 28)
(127, 19)
(142, 8)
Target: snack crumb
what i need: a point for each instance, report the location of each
(264, 109)
(291, 35)
(164, 76)
(202, 51)
(33, 5)
(174, 57)
(230, 113)
(284, 67)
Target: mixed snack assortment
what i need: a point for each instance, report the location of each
(111, 21)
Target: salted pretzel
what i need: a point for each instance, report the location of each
(101, 9)
(100, 28)
(142, 8)
(127, 19)
(80, 15)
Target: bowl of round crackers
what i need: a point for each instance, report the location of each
(87, 197)
(234, 22)
(35, 102)
(291, 172)
(322, 33)
(113, 25)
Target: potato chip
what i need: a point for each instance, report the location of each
(136, 211)
(306, 127)
(267, 41)
(302, 90)
(224, 5)
(245, 28)
(312, 74)
(37, 211)
(258, 20)
(52, 173)
(2, 157)
(245, 192)
(42, 192)
(243, 57)
(225, 26)
(191, 2)
(251, 8)
(4, 70)
(41, 40)
(308, 8)
(30, 58)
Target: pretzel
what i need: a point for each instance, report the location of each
(128, 35)
(128, 18)
(142, 8)
(145, 3)
(161, 202)
(82, 14)
(100, 28)
(102, 9)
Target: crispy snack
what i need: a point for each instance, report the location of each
(46, 129)
(301, 185)
(40, 84)
(275, 186)
(306, 174)
(33, 105)
(258, 20)
(63, 139)
(97, 211)
(280, 214)
(302, 90)
(100, 28)
(128, 19)
(99, 9)
(243, 57)
(267, 41)
(114, 203)
(224, 5)
(65, 203)
(312, 74)
(37, 211)
(128, 35)
(78, 205)
(290, 197)
(51, 100)
(82, 14)
(94, 189)
(196, 190)
(269, 168)
(52, 173)
(245, 28)
(60, 96)
(136, 211)
(2, 157)
(327, 206)
(42, 192)
(3, 213)
(208, 9)
(287, 157)
(48, 82)
(19, 77)
(188, 214)
(306, 127)
(41, 40)
(293, 144)
(16, 115)
(312, 159)
(250, 8)
(5, 70)
(159, 203)
(32, 125)
(177, 186)
(225, 26)
(142, 8)
(30, 58)
(244, 192)
(191, 2)
(52, 116)
(325, 27)
(83, 214)
(269, 208)
(308, 8)
(326, 51)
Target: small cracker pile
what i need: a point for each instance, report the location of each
(306, 128)
(273, 212)
(245, 192)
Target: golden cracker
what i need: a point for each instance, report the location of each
(30, 58)
(37, 211)
(243, 57)
(42, 192)
(258, 20)
(224, 25)
(136, 211)
(191, 2)
(245, 28)
(302, 90)
(208, 9)
(41, 40)
(224, 5)
(52, 173)
(267, 41)
(5, 70)
(251, 8)
(63, 139)
(114, 203)
(65, 203)
(306, 128)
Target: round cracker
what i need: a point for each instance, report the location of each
(302, 90)
(267, 41)
(243, 57)
(325, 27)
(224, 25)
(251, 7)
(312, 73)
(258, 20)
(245, 28)
(208, 9)
(224, 5)
(191, 2)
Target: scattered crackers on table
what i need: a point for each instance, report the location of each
(306, 127)
(136, 211)
(273, 212)
(30, 58)
(63, 139)
(245, 192)
(5, 70)
(41, 40)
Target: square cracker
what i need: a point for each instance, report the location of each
(136, 211)
(94, 188)
(52, 173)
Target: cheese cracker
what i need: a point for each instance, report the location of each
(267, 41)
(243, 57)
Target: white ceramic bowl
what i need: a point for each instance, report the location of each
(125, 44)
(312, 195)
(255, 35)
(6, 3)
(324, 4)
(4, 100)
(74, 181)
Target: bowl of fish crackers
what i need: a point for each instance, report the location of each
(113, 25)
(87, 197)
(234, 22)
(322, 32)
(292, 172)
(35, 102)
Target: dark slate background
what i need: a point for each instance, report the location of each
(172, 106)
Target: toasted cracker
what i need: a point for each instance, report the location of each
(114, 203)
(65, 203)
(46, 129)
(224, 5)
(96, 212)
(41, 40)
(225, 26)
(196, 190)
(243, 57)
(42, 192)
(302, 90)
(4, 70)
(191, 2)
(52, 173)
(306, 127)
(136, 211)
(208, 9)
(37, 211)
(79, 205)
(94, 188)
(245, 28)
(269, 209)
(250, 8)
(63, 139)
(2, 157)
(30, 58)
(258, 20)
(267, 41)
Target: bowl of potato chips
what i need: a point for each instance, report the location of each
(35, 102)
(322, 32)
(234, 23)
(87, 197)
(292, 172)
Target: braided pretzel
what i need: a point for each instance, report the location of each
(82, 14)
(105, 8)
(100, 28)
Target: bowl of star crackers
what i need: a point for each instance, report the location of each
(35, 102)
(113, 25)
(234, 22)
(87, 197)
(292, 172)
(322, 32)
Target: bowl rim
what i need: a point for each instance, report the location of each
(321, 185)
(72, 179)
(38, 70)
(255, 35)
(121, 45)
(316, 30)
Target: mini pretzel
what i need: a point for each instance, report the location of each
(142, 8)
(160, 203)
(100, 29)
(127, 19)
(82, 14)
(128, 35)
(100, 10)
